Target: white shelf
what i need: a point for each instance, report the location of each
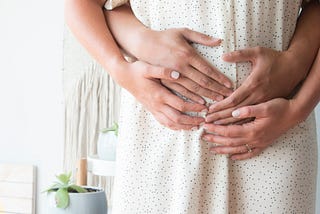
(100, 167)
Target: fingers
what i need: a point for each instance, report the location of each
(237, 152)
(161, 73)
(204, 81)
(227, 131)
(237, 97)
(246, 155)
(167, 122)
(225, 141)
(180, 118)
(183, 91)
(181, 105)
(198, 89)
(244, 55)
(229, 150)
(200, 38)
(204, 67)
(259, 110)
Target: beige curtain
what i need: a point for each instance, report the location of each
(91, 103)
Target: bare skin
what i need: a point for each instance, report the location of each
(266, 128)
(86, 20)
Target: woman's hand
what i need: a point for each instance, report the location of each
(273, 75)
(142, 81)
(171, 49)
(250, 139)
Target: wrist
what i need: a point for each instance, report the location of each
(117, 68)
(143, 37)
(297, 112)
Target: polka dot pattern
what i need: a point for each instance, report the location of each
(165, 171)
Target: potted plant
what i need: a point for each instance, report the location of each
(64, 197)
(107, 143)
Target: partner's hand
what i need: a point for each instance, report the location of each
(171, 48)
(257, 134)
(142, 81)
(273, 75)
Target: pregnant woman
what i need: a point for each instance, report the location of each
(160, 170)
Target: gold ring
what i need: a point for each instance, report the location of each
(248, 148)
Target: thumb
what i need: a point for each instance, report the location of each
(162, 73)
(245, 55)
(250, 111)
(200, 38)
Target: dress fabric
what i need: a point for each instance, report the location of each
(165, 171)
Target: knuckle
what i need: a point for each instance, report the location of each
(239, 53)
(207, 70)
(234, 100)
(205, 82)
(196, 88)
(259, 50)
(184, 54)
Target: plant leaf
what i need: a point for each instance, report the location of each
(62, 198)
(64, 178)
(78, 188)
(53, 188)
(114, 128)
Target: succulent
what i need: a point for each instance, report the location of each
(63, 187)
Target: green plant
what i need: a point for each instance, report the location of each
(63, 187)
(114, 128)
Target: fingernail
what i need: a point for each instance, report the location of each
(212, 107)
(236, 113)
(217, 123)
(228, 84)
(201, 101)
(175, 74)
(216, 40)
(203, 113)
(194, 128)
(201, 124)
(219, 98)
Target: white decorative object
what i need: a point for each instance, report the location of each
(107, 143)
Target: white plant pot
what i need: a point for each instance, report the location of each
(107, 146)
(80, 203)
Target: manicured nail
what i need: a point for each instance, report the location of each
(228, 84)
(205, 137)
(201, 101)
(219, 98)
(194, 128)
(203, 113)
(212, 107)
(236, 113)
(175, 74)
(216, 40)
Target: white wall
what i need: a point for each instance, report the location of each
(31, 110)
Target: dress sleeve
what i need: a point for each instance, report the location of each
(111, 4)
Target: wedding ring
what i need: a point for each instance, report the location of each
(248, 148)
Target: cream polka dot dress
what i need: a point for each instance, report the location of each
(165, 171)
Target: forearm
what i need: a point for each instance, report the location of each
(306, 40)
(309, 94)
(122, 22)
(86, 20)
